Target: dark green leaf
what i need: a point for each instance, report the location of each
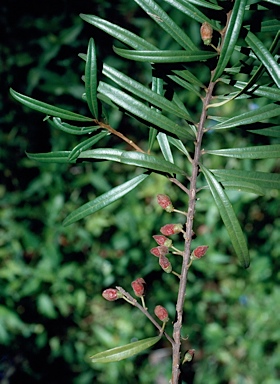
(265, 57)
(72, 129)
(262, 179)
(191, 11)
(51, 157)
(165, 56)
(128, 350)
(132, 158)
(189, 77)
(258, 90)
(103, 200)
(165, 147)
(243, 187)
(231, 36)
(74, 154)
(139, 109)
(229, 218)
(259, 152)
(166, 23)
(48, 109)
(139, 90)
(119, 33)
(272, 131)
(91, 79)
(259, 114)
(203, 3)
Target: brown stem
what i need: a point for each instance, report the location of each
(188, 238)
(120, 135)
(134, 302)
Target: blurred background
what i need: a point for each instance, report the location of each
(52, 315)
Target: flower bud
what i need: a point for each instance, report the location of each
(165, 264)
(162, 240)
(161, 250)
(206, 33)
(165, 202)
(161, 313)
(200, 251)
(138, 286)
(111, 294)
(171, 229)
(189, 355)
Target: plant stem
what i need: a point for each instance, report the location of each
(188, 238)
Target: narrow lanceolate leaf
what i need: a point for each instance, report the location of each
(128, 350)
(231, 36)
(203, 3)
(157, 86)
(229, 218)
(166, 23)
(165, 147)
(243, 187)
(74, 154)
(259, 114)
(132, 158)
(165, 56)
(191, 11)
(258, 90)
(91, 79)
(265, 57)
(103, 200)
(142, 111)
(119, 33)
(139, 90)
(72, 129)
(48, 109)
(259, 152)
(262, 179)
(51, 157)
(271, 132)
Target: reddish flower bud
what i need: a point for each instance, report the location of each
(165, 264)
(200, 251)
(162, 240)
(161, 313)
(206, 33)
(111, 294)
(138, 286)
(161, 250)
(171, 229)
(165, 202)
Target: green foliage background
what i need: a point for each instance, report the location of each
(52, 315)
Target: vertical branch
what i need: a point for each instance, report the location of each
(188, 236)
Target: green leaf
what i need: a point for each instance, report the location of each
(142, 111)
(165, 56)
(132, 158)
(119, 33)
(229, 218)
(51, 157)
(166, 23)
(165, 147)
(259, 152)
(72, 129)
(259, 114)
(91, 79)
(103, 200)
(272, 131)
(128, 350)
(48, 109)
(74, 154)
(262, 179)
(189, 77)
(202, 3)
(191, 11)
(264, 56)
(139, 90)
(255, 89)
(244, 187)
(179, 145)
(231, 36)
